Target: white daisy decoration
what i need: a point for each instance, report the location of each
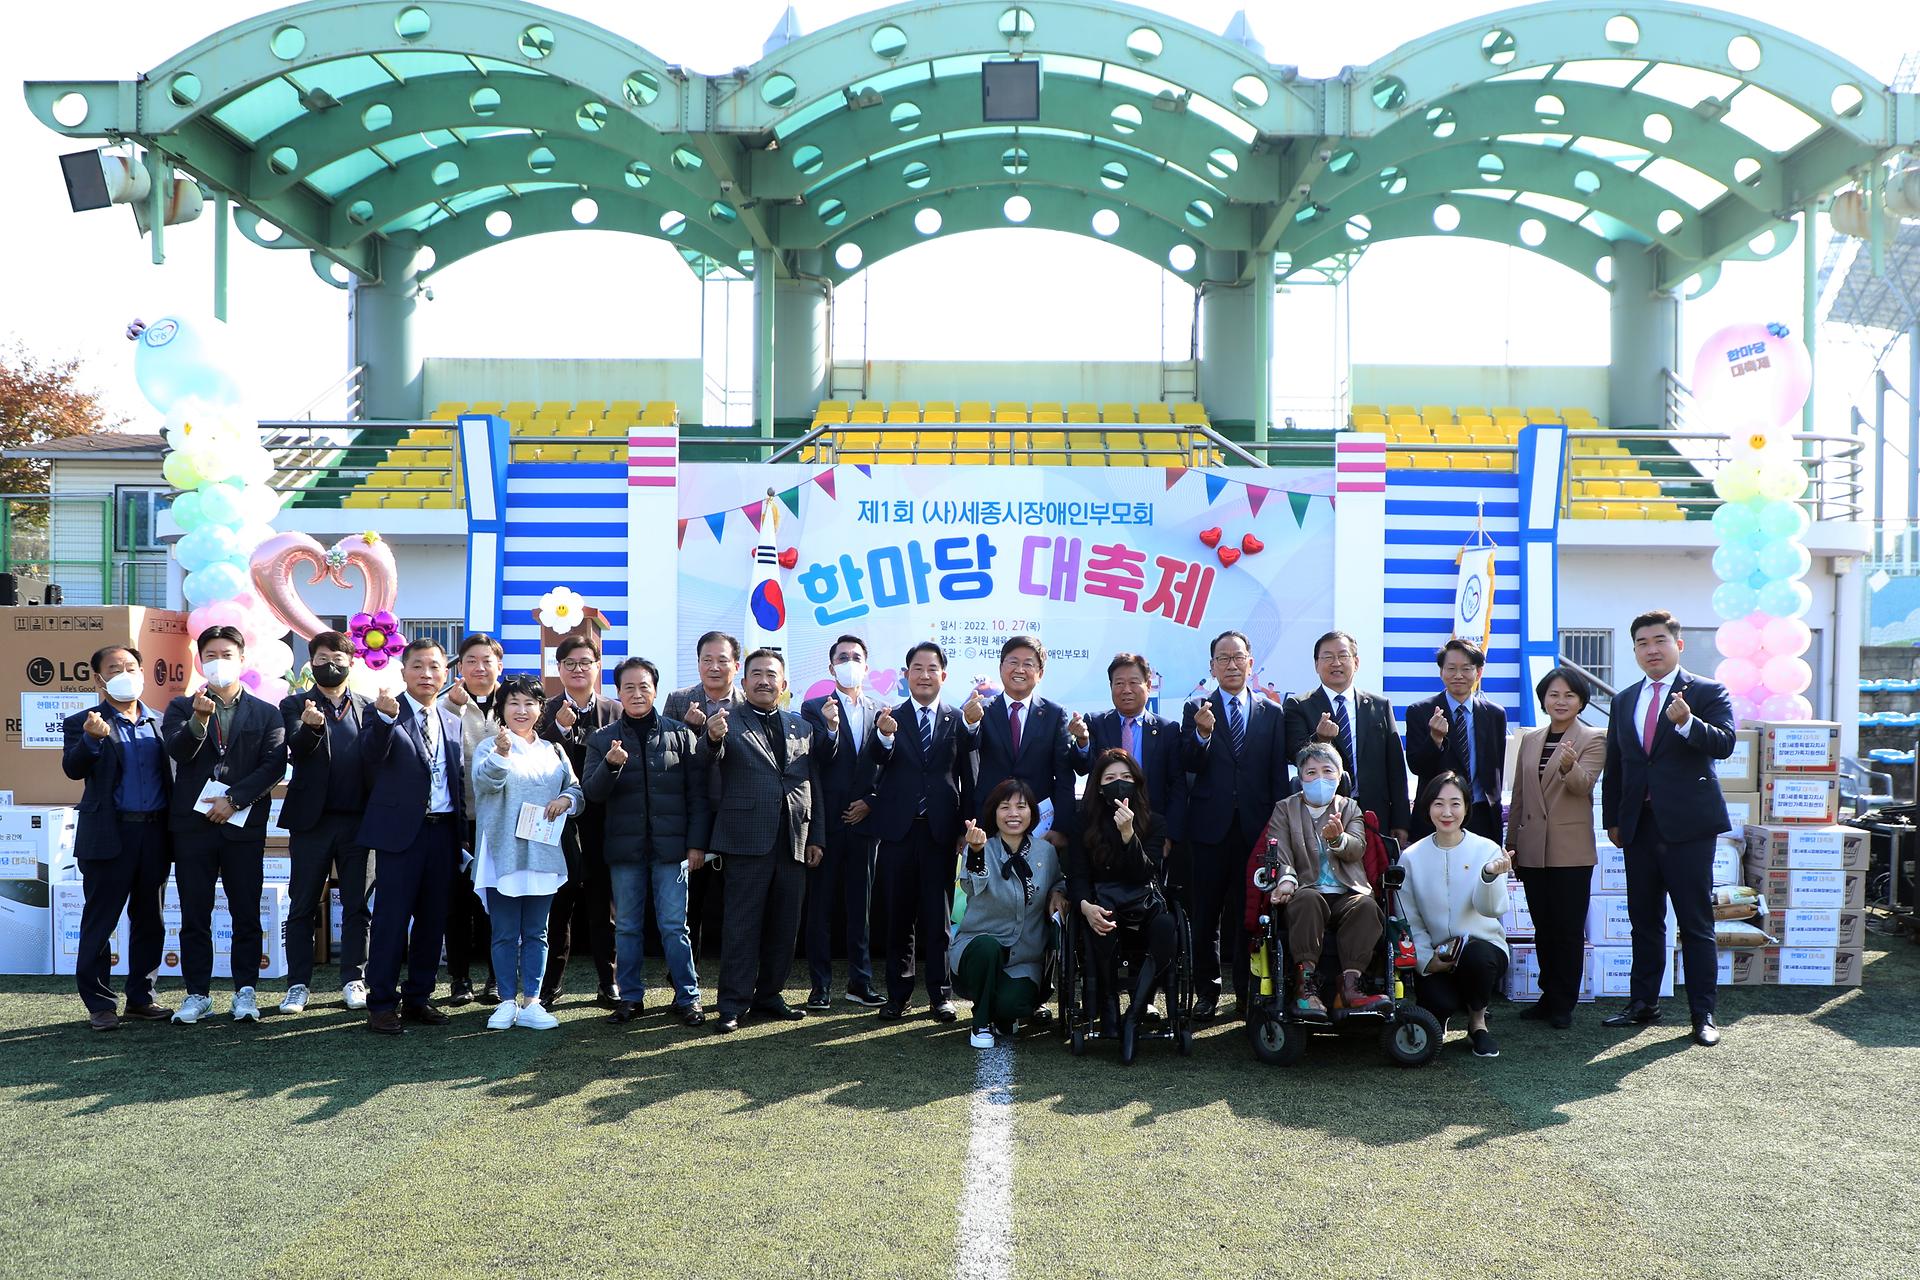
(561, 610)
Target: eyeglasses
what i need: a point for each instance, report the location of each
(1021, 664)
(578, 664)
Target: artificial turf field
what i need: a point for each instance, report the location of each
(837, 1147)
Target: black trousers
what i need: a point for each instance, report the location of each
(468, 928)
(914, 879)
(1218, 897)
(1557, 898)
(841, 889)
(762, 925)
(199, 859)
(1155, 936)
(134, 881)
(706, 904)
(316, 853)
(410, 916)
(1469, 986)
(583, 908)
(1683, 871)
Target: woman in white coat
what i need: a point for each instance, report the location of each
(1455, 892)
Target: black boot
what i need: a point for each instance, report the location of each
(1103, 1000)
(1142, 996)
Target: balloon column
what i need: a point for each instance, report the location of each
(226, 501)
(1751, 380)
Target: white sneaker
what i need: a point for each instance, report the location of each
(245, 1008)
(296, 1001)
(192, 1009)
(355, 995)
(982, 1038)
(503, 1017)
(535, 1016)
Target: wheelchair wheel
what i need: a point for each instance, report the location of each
(1180, 985)
(1412, 1039)
(1276, 1042)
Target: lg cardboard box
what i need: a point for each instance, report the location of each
(1812, 927)
(1523, 974)
(26, 926)
(1743, 807)
(1741, 770)
(1814, 966)
(1613, 972)
(1788, 888)
(45, 676)
(1826, 848)
(68, 901)
(1799, 746)
(37, 844)
(1800, 800)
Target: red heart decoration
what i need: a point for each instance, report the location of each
(1228, 555)
(1211, 536)
(790, 557)
(1252, 545)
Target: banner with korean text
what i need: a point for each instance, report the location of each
(1093, 560)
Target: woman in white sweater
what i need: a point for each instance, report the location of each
(1455, 892)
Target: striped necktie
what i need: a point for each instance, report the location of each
(1236, 724)
(1345, 726)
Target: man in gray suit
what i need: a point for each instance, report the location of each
(770, 822)
(718, 657)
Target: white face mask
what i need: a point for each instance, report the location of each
(222, 672)
(850, 675)
(127, 686)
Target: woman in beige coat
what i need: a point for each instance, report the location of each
(1550, 835)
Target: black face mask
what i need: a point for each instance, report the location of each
(1117, 790)
(329, 675)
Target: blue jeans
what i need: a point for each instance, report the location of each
(519, 942)
(632, 881)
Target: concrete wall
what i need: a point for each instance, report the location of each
(1560, 386)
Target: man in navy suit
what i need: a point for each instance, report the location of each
(121, 841)
(415, 822)
(1234, 744)
(922, 788)
(1021, 735)
(1153, 741)
(1357, 724)
(842, 885)
(1459, 731)
(1661, 801)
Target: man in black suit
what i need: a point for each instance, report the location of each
(228, 748)
(770, 822)
(1661, 801)
(1459, 731)
(322, 815)
(1152, 740)
(923, 791)
(415, 821)
(1234, 744)
(121, 841)
(1357, 724)
(717, 657)
(584, 905)
(1021, 735)
(841, 887)
(474, 696)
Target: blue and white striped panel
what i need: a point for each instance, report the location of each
(1430, 516)
(566, 527)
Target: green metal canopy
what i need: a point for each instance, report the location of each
(392, 140)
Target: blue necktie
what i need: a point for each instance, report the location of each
(1460, 745)
(1133, 737)
(1236, 726)
(926, 732)
(1346, 731)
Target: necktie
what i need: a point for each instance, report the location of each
(1346, 732)
(1236, 725)
(1133, 737)
(1653, 718)
(926, 732)
(1013, 728)
(1458, 748)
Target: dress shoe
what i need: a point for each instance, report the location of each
(424, 1014)
(385, 1022)
(148, 1012)
(892, 1012)
(1706, 1032)
(692, 1015)
(1559, 1021)
(1535, 1012)
(461, 993)
(623, 1011)
(1634, 1015)
(865, 999)
(945, 1012)
(818, 1002)
(607, 998)
(489, 995)
(103, 1020)
(781, 1012)
(727, 1025)
(1206, 1011)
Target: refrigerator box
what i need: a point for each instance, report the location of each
(1799, 746)
(1799, 799)
(69, 899)
(1827, 848)
(1816, 927)
(46, 675)
(1741, 770)
(1813, 966)
(1789, 888)
(26, 926)
(1613, 972)
(37, 843)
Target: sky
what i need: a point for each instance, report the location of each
(74, 281)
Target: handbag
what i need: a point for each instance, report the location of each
(1132, 905)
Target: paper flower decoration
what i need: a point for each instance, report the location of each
(375, 640)
(561, 610)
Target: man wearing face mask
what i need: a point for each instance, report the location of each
(841, 886)
(229, 748)
(121, 842)
(322, 816)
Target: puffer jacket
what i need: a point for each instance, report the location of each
(656, 804)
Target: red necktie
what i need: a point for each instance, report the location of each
(1013, 729)
(1653, 718)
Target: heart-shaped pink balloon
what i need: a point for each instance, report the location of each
(273, 565)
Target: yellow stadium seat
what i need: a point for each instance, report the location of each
(903, 413)
(1501, 461)
(1664, 511)
(526, 453)
(1412, 435)
(1509, 421)
(938, 406)
(1369, 422)
(1436, 414)
(1469, 462)
(1154, 414)
(1478, 411)
(1540, 413)
(1047, 415)
(1085, 441)
(1625, 511)
(1472, 420)
(1451, 436)
(904, 406)
(1368, 409)
(484, 406)
(1399, 461)
(360, 499)
(868, 406)
(518, 409)
(590, 409)
(431, 436)
(975, 411)
(1047, 406)
(1639, 488)
(1114, 412)
(1082, 406)
(576, 427)
(1050, 441)
(972, 448)
(1083, 415)
(1487, 435)
(868, 415)
(555, 408)
(1012, 406)
(1431, 462)
(939, 415)
(451, 406)
(1404, 420)
(1586, 511)
(1405, 410)
(1048, 460)
(1161, 441)
(625, 406)
(1190, 411)
(611, 427)
(837, 406)
(1015, 414)
(1508, 411)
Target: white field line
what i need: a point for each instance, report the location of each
(983, 1243)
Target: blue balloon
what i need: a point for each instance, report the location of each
(174, 361)
(1785, 599)
(1785, 559)
(1784, 519)
(221, 504)
(1734, 562)
(1733, 600)
(1733, 521)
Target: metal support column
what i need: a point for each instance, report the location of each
(1912, 535)
(157, 191)
(381, 340)
(1809, 303)
(764, 289)
(1263, 346)
(222, 217)
(1645, 332)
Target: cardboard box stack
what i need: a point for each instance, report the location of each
(35, 844)
(1811, 872)
(273, 932)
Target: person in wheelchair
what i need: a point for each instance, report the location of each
(1013, 885)
(1114, 879)
(1322, 880)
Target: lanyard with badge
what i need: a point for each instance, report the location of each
(219, 744)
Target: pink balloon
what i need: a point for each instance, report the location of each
(1737, 639)
(275, 560)
(1745, 710)
(272, 690)
(1750, 379)
(1787, 637)
(1786, 706)
(1787, 675)
(1739, 675)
